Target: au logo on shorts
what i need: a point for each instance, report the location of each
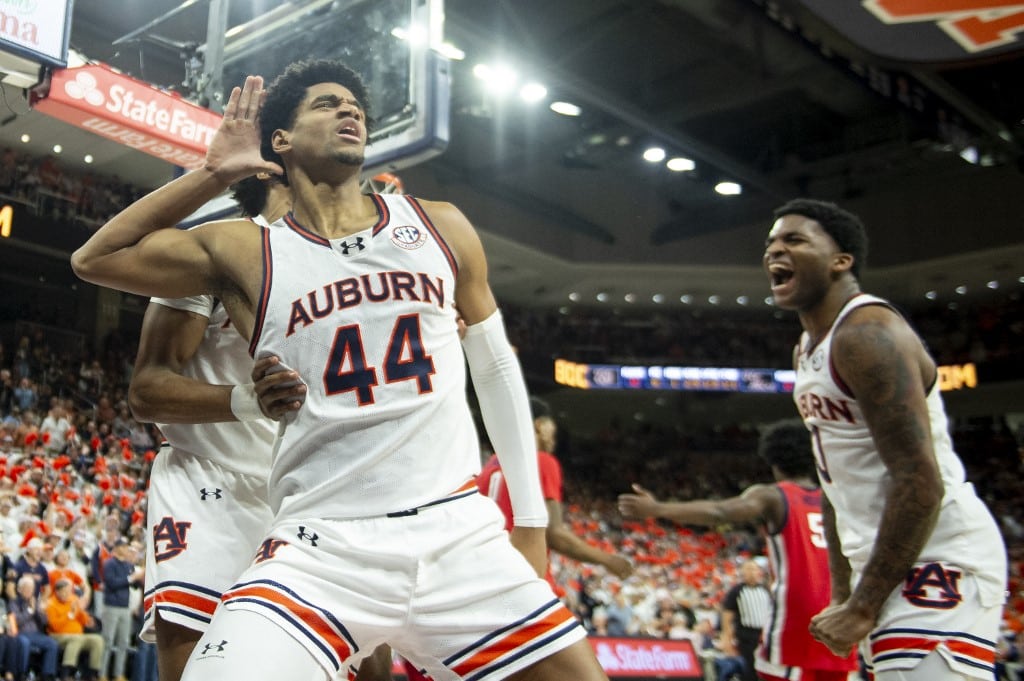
(268, 549)
(933, 586)
(169, 538)
(408, 237)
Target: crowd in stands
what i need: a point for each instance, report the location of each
(50, 189)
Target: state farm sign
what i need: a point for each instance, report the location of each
(639, 657)
(130, 112)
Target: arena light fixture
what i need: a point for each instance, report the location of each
(931, 295)
(961, 289)
(57, 148)
(993, 284)
(447, 49)
(566, 108)
(26, 138)
(88, 158)
(533, 92)
(729, 188)
(658, 298)
(602, 297)
(713, 299)
(574, 297)
(629, 297)
(680, 164)
(742, 300)
(686, 299)
(498, 79)
(654, 154)
(768, 300)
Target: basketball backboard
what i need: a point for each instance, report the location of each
(388, 42)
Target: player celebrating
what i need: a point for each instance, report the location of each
(918, 564)
(379, 532)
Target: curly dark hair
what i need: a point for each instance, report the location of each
(251, 195)
(787, 446)
(843, 226)
(287, 91)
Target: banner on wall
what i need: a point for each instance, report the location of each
(97, 98)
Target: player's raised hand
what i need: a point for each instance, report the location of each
(643, 504)
(234, 152)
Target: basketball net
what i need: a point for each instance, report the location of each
(384, 183)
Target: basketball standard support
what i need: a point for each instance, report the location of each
(213, 62)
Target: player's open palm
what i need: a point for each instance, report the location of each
(234, 152)
(643, 504)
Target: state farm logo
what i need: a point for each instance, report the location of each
(975, 25)
(84, 86)
(142, 106)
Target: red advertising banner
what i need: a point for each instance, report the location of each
(626, 658)
(133, 113)
(636, 658)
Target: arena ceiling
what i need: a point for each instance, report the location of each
(764, 94)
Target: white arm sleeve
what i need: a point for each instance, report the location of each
(505, 408)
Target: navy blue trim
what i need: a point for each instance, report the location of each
(332, 654)
(896, 656)
(476, 645)
(932, 632)
(436, 502)
(525, 651)
(187, 585)
(184, 613)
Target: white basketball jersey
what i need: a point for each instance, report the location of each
(368, 322)
(855, 479)
(221, 359)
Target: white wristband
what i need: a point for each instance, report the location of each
(244, 403)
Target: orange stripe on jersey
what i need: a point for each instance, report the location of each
(903, 643)
(185, 599)
(313, 620)
(980, 653)
(514, 640)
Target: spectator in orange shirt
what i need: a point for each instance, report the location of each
(63, 570)
(66, 623)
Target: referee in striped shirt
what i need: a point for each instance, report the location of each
(745, 610)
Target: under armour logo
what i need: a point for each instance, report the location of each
(219, 647)
(345, 246)
(310, 537)
(206, 493)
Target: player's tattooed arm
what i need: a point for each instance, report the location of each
(838, 565)
(881, 361)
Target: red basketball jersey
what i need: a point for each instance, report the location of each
(491, 483)
(798, 557)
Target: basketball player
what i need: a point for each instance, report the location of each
(559, 537)
(918, 564)
(788, 512)
(379, 533)
(208, 506)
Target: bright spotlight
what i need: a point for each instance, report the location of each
(728, 188)
(680, 164)
(566, 108)
(654, 154)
